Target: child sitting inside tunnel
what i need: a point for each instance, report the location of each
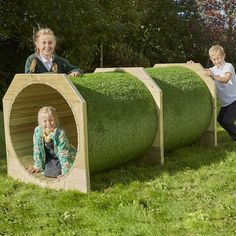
(53, 154)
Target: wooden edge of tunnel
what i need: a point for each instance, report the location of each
(210, 136)
(58, 85)
(156, 153)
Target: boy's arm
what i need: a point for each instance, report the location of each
(224, 79)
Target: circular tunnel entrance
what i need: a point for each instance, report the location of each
(23, 118)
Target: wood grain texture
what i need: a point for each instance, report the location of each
(21, 103)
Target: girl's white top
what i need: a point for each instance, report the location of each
(47, 63)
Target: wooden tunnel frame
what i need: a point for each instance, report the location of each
(20, 119)
(156, 152)
(57, 90)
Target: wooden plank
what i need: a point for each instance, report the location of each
(64, 110)
(35, 98)
(21, 120)
(25, 151)
(59, 103)
(22, 137)
(33, 90)
(23, 128)
(22, 143)
(26, 160)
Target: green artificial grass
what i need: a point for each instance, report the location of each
(193, 193)
(186, 103)
(122, 118)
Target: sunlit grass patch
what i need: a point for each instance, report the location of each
(193, 193)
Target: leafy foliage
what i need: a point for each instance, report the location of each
(93, 33)
(116, 33)
(219, 18)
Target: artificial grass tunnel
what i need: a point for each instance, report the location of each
(187, 105)
(122, 118)
(112, 118)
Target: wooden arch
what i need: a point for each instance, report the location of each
(25, 96)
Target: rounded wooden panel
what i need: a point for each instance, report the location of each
(23, 118)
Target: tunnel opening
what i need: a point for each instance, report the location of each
(23, 120)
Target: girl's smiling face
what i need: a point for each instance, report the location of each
(45, 46)
(48, 123)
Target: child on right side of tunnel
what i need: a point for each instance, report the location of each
(223, 74)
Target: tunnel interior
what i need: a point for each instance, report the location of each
(23, 119)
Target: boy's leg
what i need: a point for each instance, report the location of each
(221, 116)
(227, 119)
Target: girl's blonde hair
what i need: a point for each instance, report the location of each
(216, 50)
(41, 32)
(47, 111)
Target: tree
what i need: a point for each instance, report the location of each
(169, 31)
(112, 33)
(219, 20)
(116, 29)
(13, 31)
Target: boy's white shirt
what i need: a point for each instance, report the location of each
(226, 91)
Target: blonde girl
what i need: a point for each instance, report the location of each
(44, 60)
(53, 154)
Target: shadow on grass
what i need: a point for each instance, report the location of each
(3, 161)
(3, 167)
(190, 157)
(186, 158)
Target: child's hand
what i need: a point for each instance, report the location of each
(207, 72)
(33, 169)
(190, 62)
(59, 176)
(75, 73)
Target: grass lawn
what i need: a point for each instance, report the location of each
(194, 193)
